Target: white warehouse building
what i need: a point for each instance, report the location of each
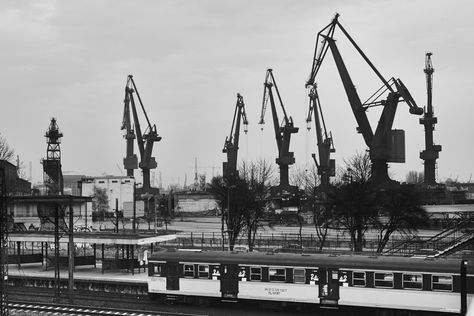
(117, 187)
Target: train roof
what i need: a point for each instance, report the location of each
(391, 263)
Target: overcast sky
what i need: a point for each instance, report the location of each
(70, 60)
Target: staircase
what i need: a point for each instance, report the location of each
(447, 242)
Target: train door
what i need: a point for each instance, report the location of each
(328, 286)
(229, 281)
(172, 271)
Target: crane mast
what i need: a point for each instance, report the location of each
(385, 145)
(431, 152)
(231, 144)
(282, 135)
(326, 166)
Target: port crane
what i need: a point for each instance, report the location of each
(385, 145)
(282, 135)
(431, 152)
(326, 166)
(145, 141)
(231, 144)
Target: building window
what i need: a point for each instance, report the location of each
(358, 278)
(276, 274)
(383, 279)
(203, 271)
(255, 274)
(189, 270)
(442, 283)
(101, 181)
(114, 181)
(412, 281)
(299, 276)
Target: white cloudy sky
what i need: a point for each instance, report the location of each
(70, 60)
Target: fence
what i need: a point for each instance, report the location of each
(274, 241)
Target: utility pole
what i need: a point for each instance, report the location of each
(116, 216)
(4, 245)
(72, 254)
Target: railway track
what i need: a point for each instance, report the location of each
(61, 309)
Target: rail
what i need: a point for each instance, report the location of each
(83, 310)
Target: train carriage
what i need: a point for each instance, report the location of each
(382, 282)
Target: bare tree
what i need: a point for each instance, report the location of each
(414, 177)
(353, 199)
(259, 176)
(233, 200)
(100, 203)
(6, 153)
(400, 211)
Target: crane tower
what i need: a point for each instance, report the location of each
(430, 154)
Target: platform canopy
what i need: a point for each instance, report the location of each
(60, 199)
(107, 238)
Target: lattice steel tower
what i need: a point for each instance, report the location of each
(52, 173)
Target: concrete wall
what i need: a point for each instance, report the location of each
(195, 202)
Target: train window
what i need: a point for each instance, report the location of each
(203, 271)
(189, 270)
(358, 278)
(216, 273)
(412, 281)
(383, 279)
(343, 278)
(255, 274)
(276, 274)
(299, 276)
(157, 269)
(243, 274)
(442, 283)
(313, 276)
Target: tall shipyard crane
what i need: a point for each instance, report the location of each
(326, 166)
(282, 135)
(231, 144)
(385, 145)
(431, 152)
(145, 141)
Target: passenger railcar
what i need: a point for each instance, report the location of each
(382, 282)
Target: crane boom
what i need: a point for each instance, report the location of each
(231, 144)
(282, 135)
(384, 145)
